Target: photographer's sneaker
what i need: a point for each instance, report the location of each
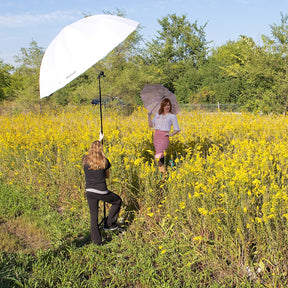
(111, 228)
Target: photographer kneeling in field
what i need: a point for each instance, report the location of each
(96, 169)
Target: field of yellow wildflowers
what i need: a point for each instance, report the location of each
(219, 219)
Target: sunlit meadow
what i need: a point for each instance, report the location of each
(222, 211)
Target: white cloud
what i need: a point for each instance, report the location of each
(27, 19)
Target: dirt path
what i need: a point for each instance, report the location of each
(21, 235)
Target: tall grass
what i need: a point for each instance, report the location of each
(218, 220)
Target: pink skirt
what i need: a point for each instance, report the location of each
(161, 143)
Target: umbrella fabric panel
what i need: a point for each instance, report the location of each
(78, 47)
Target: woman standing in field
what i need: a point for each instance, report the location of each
(96, 169)
(162, 123)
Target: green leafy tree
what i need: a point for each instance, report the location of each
(261, 71)
(214, 81)
(26, 75)
(236, 62)
(178, 45)
(5, 81)
(242, 73)
(278, 46)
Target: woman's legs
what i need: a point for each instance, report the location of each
(161, 166)
(93, 207)
(93, 202)
(116, 201)
(111, 198)
(161, 143)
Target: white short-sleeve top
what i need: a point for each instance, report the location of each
(164, 122)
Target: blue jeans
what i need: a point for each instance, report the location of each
(93, 202)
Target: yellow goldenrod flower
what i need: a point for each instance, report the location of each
(198, 238)
(202, 211)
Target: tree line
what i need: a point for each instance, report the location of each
(239, 72)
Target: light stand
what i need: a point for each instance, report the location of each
(101, 74)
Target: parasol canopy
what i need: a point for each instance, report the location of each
(153, 94)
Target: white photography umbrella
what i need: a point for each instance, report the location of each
(78, 47)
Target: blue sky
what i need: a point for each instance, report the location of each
(22, 21)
